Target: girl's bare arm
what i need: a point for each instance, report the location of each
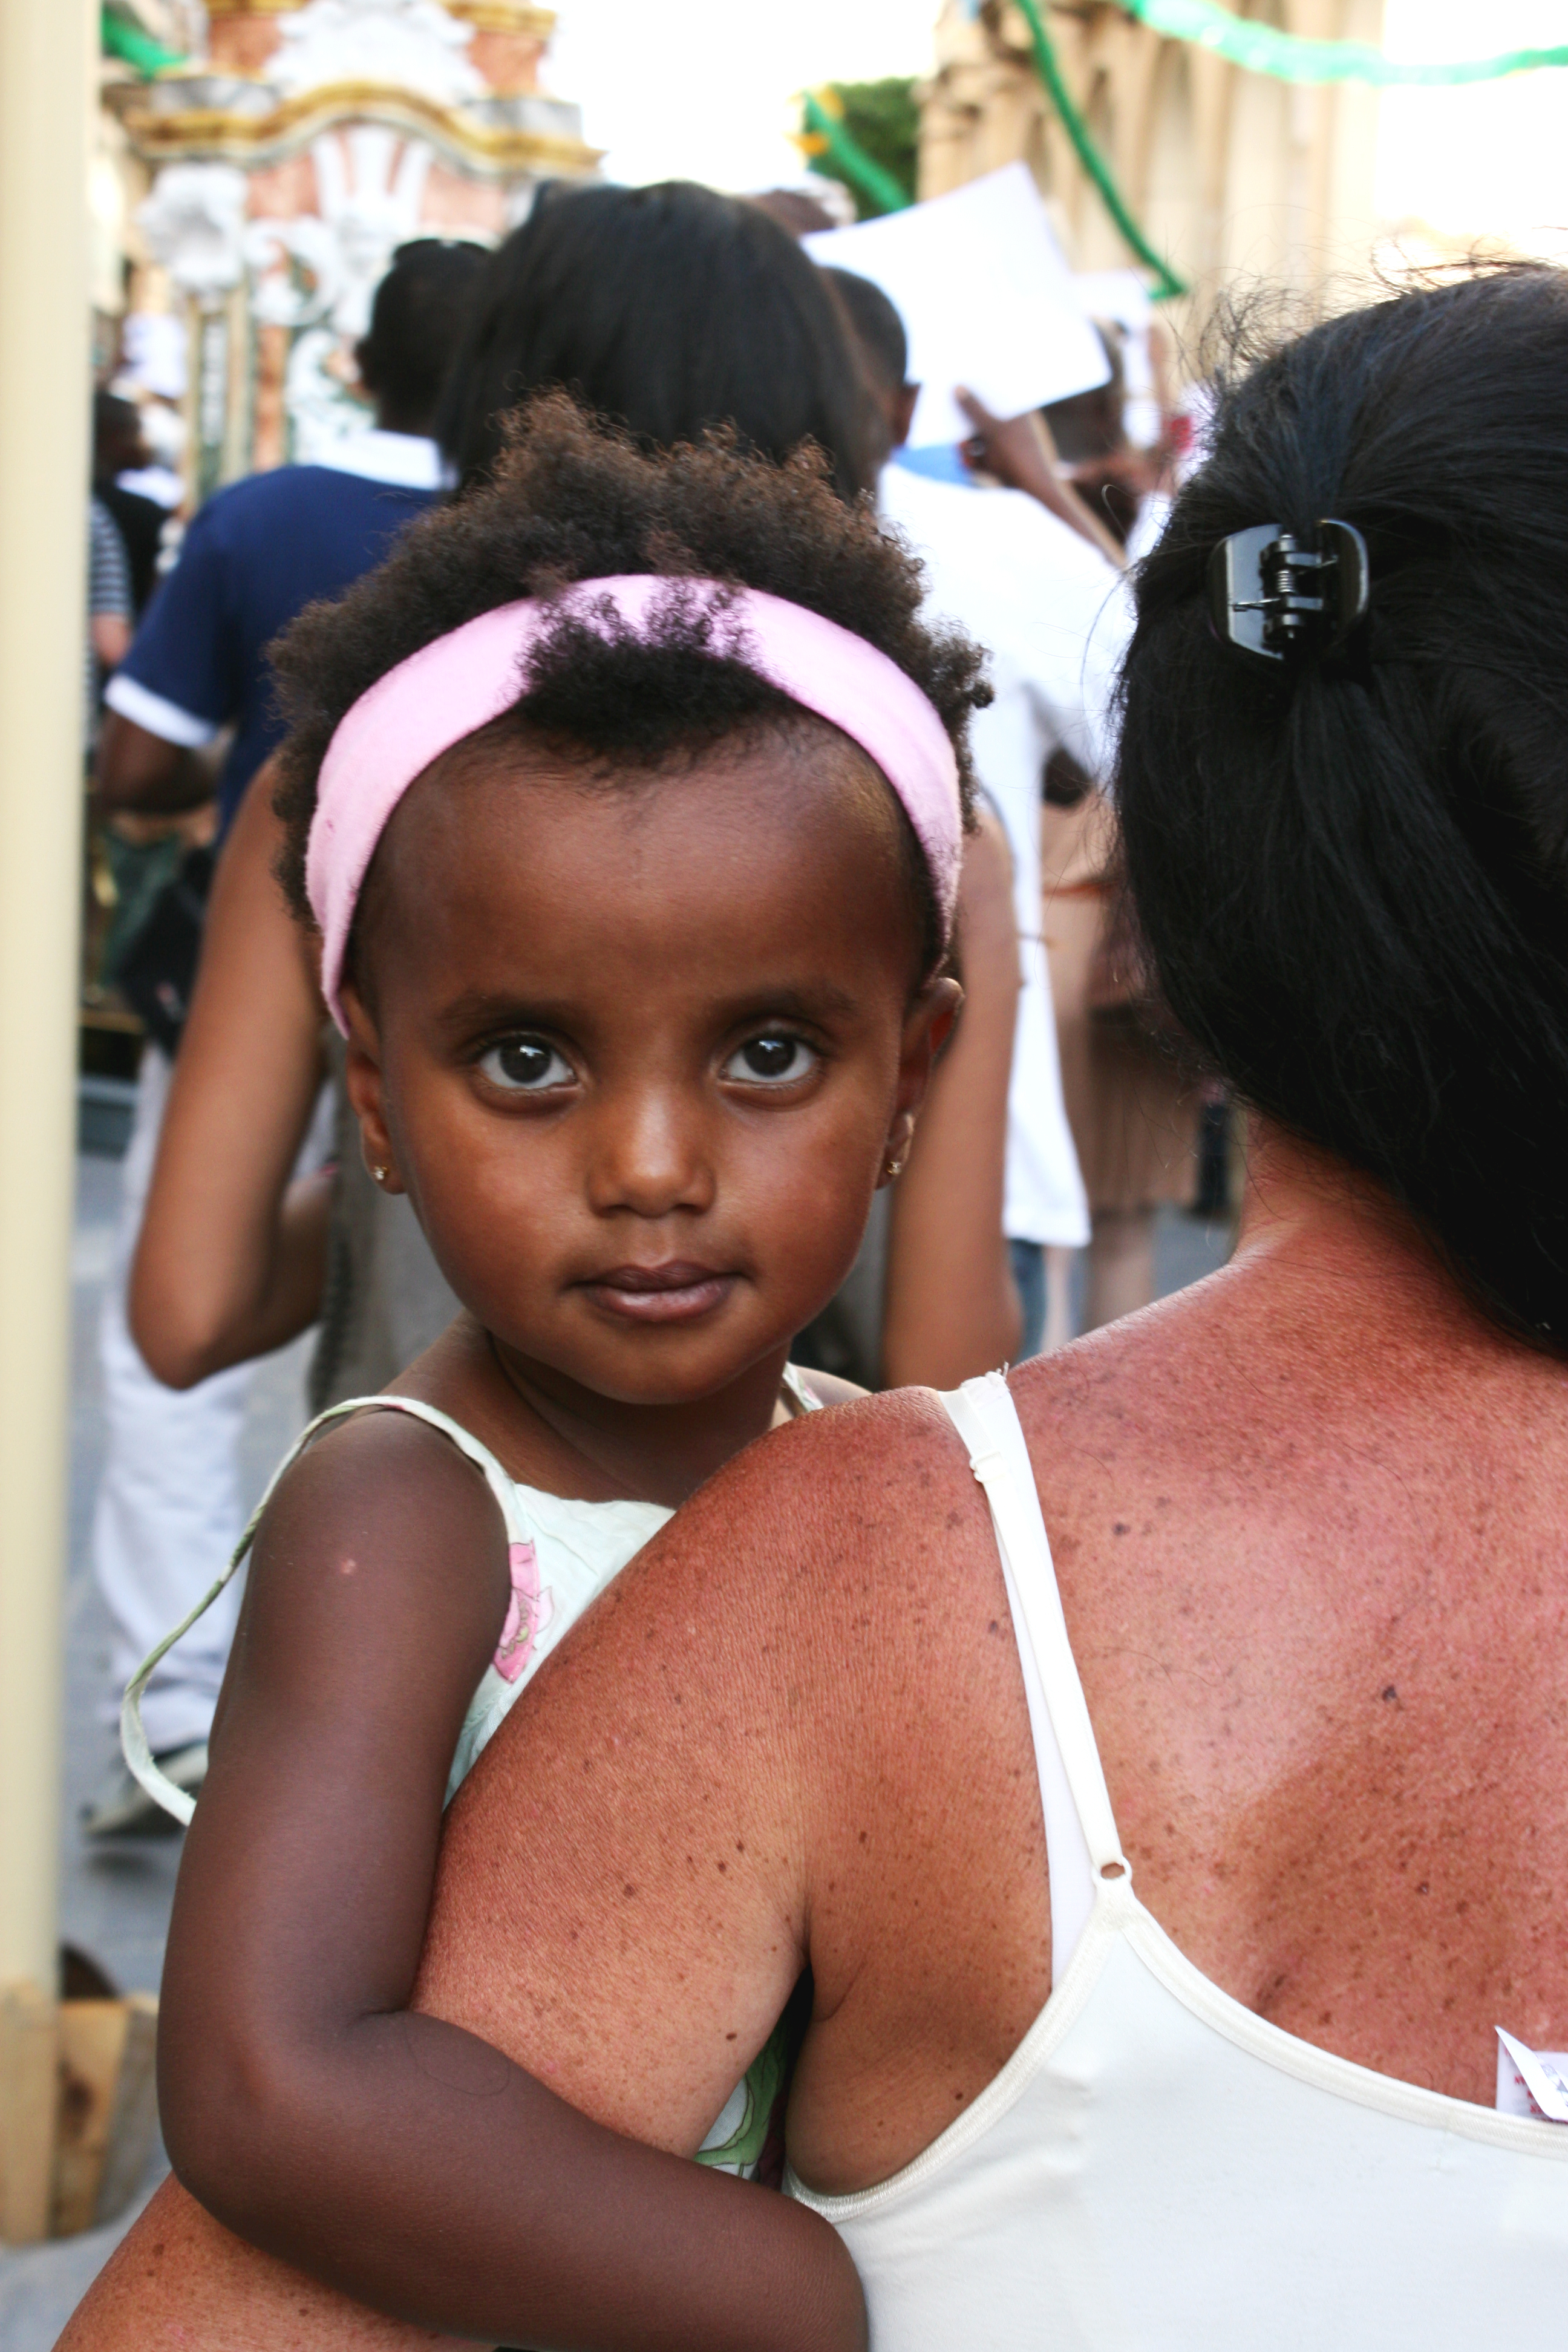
(952, 1306)
(394, 2156)
(232, 1257)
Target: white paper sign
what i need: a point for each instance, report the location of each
(1531, 2082)
(1118, 294)
(986, 296)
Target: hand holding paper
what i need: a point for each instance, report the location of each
(986, 296)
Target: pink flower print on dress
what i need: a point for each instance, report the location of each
(528, 1611)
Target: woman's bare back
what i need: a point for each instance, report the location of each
(1308, 1525)
(1308, 1532)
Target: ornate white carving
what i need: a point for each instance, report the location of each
(413, 43)
(193, 223)
(294, 273)
(370, 182)
(321, 407)
(320, 272)
(370, 186)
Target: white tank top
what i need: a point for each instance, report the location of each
(1156, 2169)
(562, 1553)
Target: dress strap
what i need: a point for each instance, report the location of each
(798, 1396)
(1082, 1843)
(133, 1736)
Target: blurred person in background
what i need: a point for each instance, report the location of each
(119, 448)
(134, 854)
(109, 611)
(1027, 571)
(1133, 1096)
(1134, 1099)
(261, 549)
(672, 309)
(168, 1509)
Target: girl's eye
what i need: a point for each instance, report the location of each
(526, 1065)
(771, 1062)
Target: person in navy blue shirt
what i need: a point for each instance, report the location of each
(262, 549)
(169, 1506)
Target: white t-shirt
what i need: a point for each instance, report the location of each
(1056, 618)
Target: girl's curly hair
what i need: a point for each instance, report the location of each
(573, 497)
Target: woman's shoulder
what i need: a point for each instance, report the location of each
(895, 1428)
(834, 1498)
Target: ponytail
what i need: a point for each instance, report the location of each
(1352, 871)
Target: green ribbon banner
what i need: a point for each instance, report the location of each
(1166, 283)
(1289, 56)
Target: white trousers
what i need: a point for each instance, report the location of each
(169, 1509)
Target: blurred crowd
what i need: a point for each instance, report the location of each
(1064, 1115)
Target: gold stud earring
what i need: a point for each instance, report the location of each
(894, 1168)
(380, 1172)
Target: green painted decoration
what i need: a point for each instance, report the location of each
(1290, 56)
(1166, 282)
(824, 133)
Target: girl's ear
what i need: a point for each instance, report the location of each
(361, 1077)
(944, 1001)
(927, 1028)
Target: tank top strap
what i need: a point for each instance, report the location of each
(133, 1736)
(798, 1396)
(1081, 1841)
(502, 1486)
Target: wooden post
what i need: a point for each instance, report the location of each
(108, 2109)
(28, 2103)
(47, 52)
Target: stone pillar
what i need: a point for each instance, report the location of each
(48, 55)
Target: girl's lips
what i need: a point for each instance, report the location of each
(661, 1294)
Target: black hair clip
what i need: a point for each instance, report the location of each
(1274, 599)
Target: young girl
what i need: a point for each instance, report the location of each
(626, 799)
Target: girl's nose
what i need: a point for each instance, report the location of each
(649, 1156)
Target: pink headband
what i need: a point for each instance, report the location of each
(457, 685)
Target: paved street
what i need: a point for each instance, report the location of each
(115, 1905)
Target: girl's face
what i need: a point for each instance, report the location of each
(639, 1050)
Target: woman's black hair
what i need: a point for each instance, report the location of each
(574, 499)
(669, 309)
(1353, 877)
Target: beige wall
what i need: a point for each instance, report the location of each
(1232, 175)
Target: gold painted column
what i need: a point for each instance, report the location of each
(47, 54)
